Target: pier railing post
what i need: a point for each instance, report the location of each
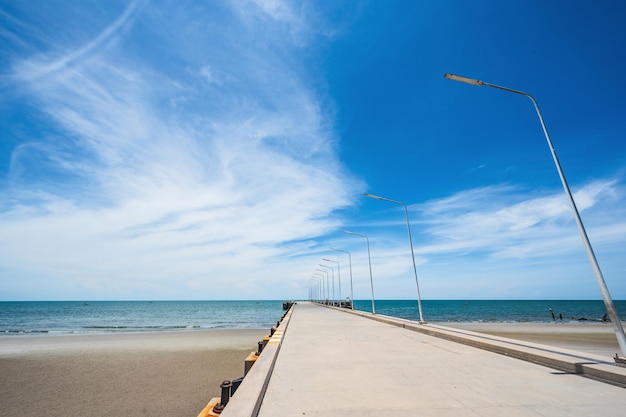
(225, 396)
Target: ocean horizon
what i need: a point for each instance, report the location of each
(93, 317)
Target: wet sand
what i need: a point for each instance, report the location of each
(168, 374)
(595, 338)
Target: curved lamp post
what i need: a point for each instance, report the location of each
(408, 227)
(350, 263)
(339, 274)
(369, 258)
(606, 296)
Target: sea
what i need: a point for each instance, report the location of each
(25, 318)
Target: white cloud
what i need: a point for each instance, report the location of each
(503, 220)
(278, 9)
(502, 242)
(301, 23)
(494, 242)
(208, 75)
(43, 65)
(148, 200)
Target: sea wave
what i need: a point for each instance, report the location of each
(79, 317)
(104, 327)
(23, 331)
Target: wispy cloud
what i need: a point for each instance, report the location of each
(504, 221)
(158, 182)
(44, 65)
(500, 241)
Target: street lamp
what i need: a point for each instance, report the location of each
(332, 270)
(369, 258)
(319, 287)
(408, 227)
(311, 290)
(339, 273)
(606, 296)
(350, 263)
(326, 272)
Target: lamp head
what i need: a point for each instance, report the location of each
(465, 80)
(375, 197)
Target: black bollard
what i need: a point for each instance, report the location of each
(225, 386)
(259, 348)
(272, 331)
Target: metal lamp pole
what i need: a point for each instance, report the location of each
(326, 272)
(369, 258)
(332, 270)
(408, 227)
(338, 273)
(322, 287)
(606, 296)
(350, 263)
(311, 290)
(318, 280)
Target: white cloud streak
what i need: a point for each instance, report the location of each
(495, 242)
(507, 222)
(41, 66)
(167, 184)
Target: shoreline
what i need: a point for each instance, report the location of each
(166, 339)
(164, 373)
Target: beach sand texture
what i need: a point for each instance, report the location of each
(594, 338)
(168, 374)
(174, 374)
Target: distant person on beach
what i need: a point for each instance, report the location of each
(560, 316)
(552, 312)
(604, 317)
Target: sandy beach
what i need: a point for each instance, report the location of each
(595, 338)
(174, 374)
(168, 374)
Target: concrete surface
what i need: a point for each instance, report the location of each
(333, 363)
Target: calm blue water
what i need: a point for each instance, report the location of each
(134, 316)
(534, 311)
(58, 317)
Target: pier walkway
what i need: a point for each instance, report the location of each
(333, 362)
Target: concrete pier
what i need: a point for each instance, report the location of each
(333, 362)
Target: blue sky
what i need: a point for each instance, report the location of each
(215, 150)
